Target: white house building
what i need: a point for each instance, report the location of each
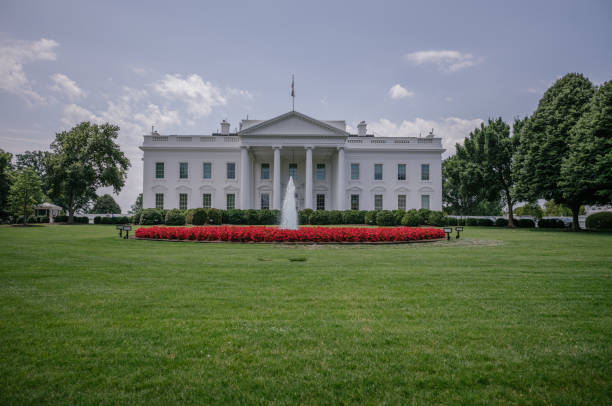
(331, 169)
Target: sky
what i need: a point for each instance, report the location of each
(404, 67)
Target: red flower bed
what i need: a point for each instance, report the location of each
(305, 234)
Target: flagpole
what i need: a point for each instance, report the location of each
(292, 93)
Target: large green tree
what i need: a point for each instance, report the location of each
(586, 172)
(85, 159)
(25, 192)
(6, 168)
(481, 170)
(545, 142)
(105, 204)
(461, 186)
(37, 160)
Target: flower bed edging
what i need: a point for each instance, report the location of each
(305, 235)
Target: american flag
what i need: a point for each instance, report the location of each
(292, 88)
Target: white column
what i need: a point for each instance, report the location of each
(341, 187)
(276, 192)
(244, 178)
(308, 195)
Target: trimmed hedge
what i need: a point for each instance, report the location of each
(319, 217)
(551, 223)
(385, 218)
(501, 222)
(524, 223)
(175, 217)
(151, 217)
(600, 221)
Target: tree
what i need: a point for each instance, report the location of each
(105, 204)
(545, 142)
(482, 167)
(554, 209)
(6, 168)
(39, 162)
(137, 206)
(586, 171)
(25, 192)
(85, 159)
(530, 209)
(461, 186)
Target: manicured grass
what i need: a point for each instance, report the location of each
(501, 317)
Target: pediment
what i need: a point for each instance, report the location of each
(293, 124)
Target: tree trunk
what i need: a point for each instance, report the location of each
(70, 212)
(575, 212)
(510, 209)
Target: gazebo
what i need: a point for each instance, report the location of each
(47, 209)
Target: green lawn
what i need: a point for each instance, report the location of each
(500, 317)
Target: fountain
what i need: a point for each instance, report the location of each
(289, 220)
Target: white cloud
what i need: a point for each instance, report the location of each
(63, 84)
(200, 96)
(445, 60)
(74, 114)
(452, 129)
(399, 92)
(448, 99)
(13, 56)
(239, 92)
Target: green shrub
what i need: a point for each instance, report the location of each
(450, 221)
(471, 222)
(501, 222)
(398, 215)
(319, 217)
(436, 218)
(215, 216)
(44, 219)
(31, 219)
(151, 217)
(370, 217)
(199, 217)
(424, 214)
(335, 217)
(600, 221)
(486, 222)
(59, 219)
(266, 217)
(304, 216)
(175, 217)
(353, 217)
(460, 222)
(385, 218)
(411, 219)
(551, 223)
(189, 215)
(97, 219)
(251, 217)
(525, 223)
(236, 216)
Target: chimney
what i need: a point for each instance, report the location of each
(361, 129)
(225, 126)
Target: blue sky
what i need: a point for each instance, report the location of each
(183, 66)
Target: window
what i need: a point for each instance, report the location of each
(207, 170)
(183, 170)
(378, 171)
(265, 201)
(424, 171)
(401, 202)
(265, 171)
(354, 202)
(231, 170)
(401, 171)
(230, 201)
(293, 171)
(183, 201)
(354, 171)
(320, 202)
(320, 171)
(159, 170)
(378, 202)
(425, 202)
(207, 200)
(159, 200)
